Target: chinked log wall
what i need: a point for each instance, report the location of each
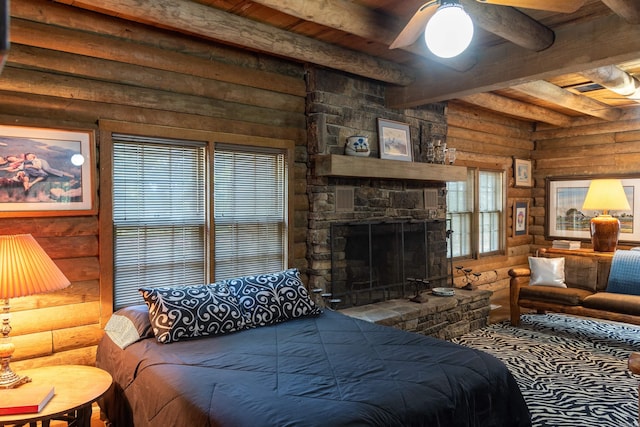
(588, 147)
(69, 68)
(487, 140)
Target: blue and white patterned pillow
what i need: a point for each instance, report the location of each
(624, 277)
(192, 311)
(271, 298)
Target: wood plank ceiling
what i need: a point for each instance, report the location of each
(540, 66)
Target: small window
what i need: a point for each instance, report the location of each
(475, 208)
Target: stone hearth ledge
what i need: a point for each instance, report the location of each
(440, 317)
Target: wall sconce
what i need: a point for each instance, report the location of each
(605, 195)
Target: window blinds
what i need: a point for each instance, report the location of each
(159, 214)
(250, 188)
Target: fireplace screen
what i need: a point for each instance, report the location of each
(373, 262)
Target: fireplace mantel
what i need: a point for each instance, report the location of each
(369, 167)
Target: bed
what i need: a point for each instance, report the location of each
(313, 369)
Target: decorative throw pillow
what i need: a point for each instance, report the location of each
(129, 325)
(547, 272)
(271, 298)
(624, 276)
(192, 311)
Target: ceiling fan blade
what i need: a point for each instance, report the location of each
(416, 25)
(562, 6)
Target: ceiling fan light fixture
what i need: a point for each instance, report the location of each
(449, 31)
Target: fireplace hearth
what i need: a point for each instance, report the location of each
(378, 261)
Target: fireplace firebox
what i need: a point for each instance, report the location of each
(377, 261)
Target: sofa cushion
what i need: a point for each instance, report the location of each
(555, 295)
(581, 272)
(624, 277)
(617, 303)
(547, 272)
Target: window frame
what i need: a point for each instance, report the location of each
(108, 127)
(475, 254)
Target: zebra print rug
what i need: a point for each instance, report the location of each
(572, 371)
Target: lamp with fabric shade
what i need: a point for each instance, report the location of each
(605, 195)
(25, 269)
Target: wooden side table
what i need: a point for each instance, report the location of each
(76, 388)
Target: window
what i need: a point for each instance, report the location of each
(163, 230)
(475, 208)
(249, 206)
(159, 214)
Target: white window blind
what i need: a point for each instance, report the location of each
(159, 214)
(490, 209)
(460, 211)
(475, 208)
(250, 215)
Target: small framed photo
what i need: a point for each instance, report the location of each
(520, 218)
(522, 173)
(46, 172)
(395, 140)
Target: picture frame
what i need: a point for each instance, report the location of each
(520, 218)
(565, 219)
(522, 173)
(46, 172)
(394, 140)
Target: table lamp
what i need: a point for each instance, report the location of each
(605, 195)
(25, 269)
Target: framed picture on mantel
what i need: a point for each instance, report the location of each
(395, 140)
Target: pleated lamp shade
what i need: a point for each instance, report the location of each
(26, 269)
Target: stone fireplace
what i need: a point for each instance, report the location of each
(368, 234)
(378, 261)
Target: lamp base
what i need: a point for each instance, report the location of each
(9, 379)
(605, 231)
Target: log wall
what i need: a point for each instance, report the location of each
(69, 68)
(484, 139)
(588, 147)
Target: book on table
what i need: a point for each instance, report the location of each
(566, 244)
(25, 399)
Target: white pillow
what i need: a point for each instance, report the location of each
(547, 272)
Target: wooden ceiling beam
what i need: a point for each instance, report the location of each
(562, 6)
(616, 80)
(512, 107)
(361, 21)
(582, 46)
(510, 24)
(559, 96)
(629, 10)
(192, 18)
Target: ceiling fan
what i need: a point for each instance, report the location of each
(449, 29)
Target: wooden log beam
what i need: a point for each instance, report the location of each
(557, 95)
(205, 21)
(629, 10)
(585, 45)
(616, 80)
(361, 21)
(511, 25)
(516, 108)
(563, 6)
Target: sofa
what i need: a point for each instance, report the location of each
(580, 282)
